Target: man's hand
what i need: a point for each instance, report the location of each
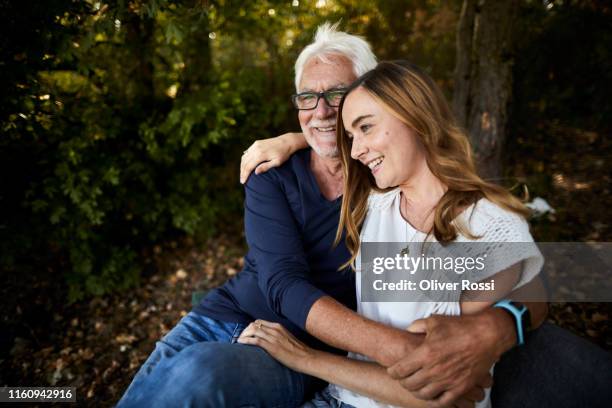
(455, 356)
(265, 154)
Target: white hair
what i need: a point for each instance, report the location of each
(329, 41)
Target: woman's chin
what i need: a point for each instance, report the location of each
(381, 183)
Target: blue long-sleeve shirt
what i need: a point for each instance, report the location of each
(291, 262)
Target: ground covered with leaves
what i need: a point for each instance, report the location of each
(98, 345)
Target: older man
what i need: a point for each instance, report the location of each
(291, 277)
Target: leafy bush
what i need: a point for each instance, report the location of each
(117, 144)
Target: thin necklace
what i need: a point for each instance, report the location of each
(406, 250)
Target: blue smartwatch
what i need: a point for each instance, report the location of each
(521, 316)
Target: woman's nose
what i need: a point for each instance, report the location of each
(357, 148)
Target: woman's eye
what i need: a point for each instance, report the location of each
(365, 128)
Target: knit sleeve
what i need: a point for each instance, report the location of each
(503, 237)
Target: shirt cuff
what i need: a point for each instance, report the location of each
(299, 306)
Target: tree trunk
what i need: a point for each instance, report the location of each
(483, 77)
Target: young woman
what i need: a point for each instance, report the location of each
(409, 177)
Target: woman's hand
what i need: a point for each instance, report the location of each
(279, 343)
(265, 154)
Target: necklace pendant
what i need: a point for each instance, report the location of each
(405, 251)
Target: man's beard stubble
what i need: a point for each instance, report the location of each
(324, 152)
(328, 153)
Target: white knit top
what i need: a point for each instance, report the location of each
(486, 220)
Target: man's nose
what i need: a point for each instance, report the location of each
(323, 110)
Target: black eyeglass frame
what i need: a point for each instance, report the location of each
(319, 95)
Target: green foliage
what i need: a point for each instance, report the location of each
(123, 121)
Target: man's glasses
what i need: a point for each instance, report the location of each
(310, 100)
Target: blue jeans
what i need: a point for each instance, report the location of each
(199, 364)
(554, 368)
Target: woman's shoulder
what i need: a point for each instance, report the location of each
(487, 210)
(380, 201)
(494, 223)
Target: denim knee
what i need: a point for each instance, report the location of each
(214, 374)
(234, 375)
(204, 375)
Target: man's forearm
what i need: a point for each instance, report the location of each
(340, 327)
(504, 326)
(538, 312)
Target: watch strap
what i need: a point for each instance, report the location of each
(519, 312)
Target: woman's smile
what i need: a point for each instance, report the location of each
(375, 164)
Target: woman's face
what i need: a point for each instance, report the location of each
(381, 141)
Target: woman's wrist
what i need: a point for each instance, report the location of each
(295, 141)
(314, 364)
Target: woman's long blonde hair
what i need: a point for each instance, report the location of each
(415, 99)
